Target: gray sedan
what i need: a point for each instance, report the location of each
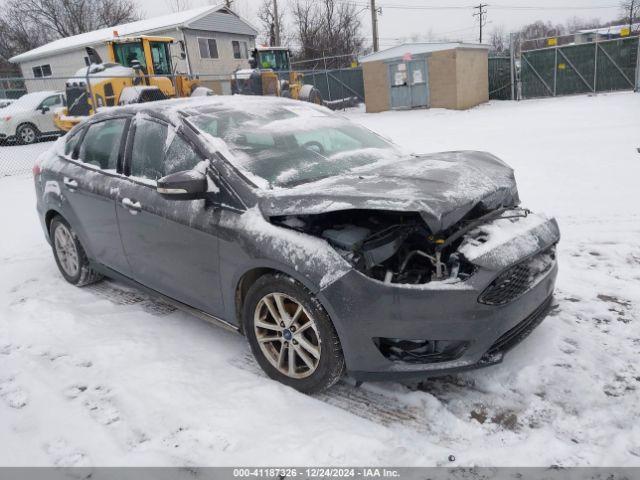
(327, 246)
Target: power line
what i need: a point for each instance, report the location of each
(466, 7)
(482, 11)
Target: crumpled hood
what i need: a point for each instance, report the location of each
(442, 187)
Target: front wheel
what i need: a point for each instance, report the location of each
(291, 335)
(70, 257)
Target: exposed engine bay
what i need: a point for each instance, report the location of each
(394, 247)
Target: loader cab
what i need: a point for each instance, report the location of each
(271, 58)
(152, 55)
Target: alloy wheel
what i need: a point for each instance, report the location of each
(66, 250)
(27, 134)
(287, 335)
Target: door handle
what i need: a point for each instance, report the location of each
(70, 183)
(133, 207)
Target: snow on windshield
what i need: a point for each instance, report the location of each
(289, 143)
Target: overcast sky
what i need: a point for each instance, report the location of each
(456, 21)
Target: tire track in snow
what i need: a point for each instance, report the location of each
(121, 296)
(385, 410)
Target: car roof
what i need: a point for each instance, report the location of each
(173, 110)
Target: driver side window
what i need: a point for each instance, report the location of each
(156, 152)
(50, 102)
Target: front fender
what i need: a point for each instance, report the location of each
(248, 241)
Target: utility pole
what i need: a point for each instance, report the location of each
(482, 11)
(374, 24)
(276, 22)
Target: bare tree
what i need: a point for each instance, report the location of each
(631, 11)
(498, 40)
(26, 24)
(327, 28)
(178, 5)
(576, 23)
(268, 25)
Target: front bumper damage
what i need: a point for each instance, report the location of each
(457, 329)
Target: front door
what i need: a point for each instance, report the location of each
(409, 84)
(168, 243)
(45, 112)
(90, 182)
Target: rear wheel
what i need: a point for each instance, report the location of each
(291, 335)
(70, 256)
(26, 134)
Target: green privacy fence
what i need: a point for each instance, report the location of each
(499, 78)
(592, 67)
(338, 83)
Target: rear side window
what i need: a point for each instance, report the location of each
(101, 144)
(156, 152)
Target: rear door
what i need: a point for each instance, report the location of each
(91, 180)
(170, 244)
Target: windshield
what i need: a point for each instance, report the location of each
(129, 53)
(288, 145)
(274, 59)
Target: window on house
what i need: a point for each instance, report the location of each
(208, 47)
(42, 71)
(239, 49)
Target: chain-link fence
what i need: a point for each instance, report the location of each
(500, 78)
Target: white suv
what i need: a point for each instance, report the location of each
(30, 117)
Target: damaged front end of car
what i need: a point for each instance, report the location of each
(399, 248)
(448, 272)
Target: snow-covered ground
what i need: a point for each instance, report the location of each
(105, 376)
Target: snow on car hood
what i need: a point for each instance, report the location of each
(442, 187)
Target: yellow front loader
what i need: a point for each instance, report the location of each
(139, 69)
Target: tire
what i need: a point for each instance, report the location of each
(70, 257)
(311, 94)
(302, 337)
(26, 134)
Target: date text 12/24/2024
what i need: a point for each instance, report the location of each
(315, 472)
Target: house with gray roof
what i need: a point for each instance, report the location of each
(216, 42)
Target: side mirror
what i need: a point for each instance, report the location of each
(186, 185)
(44, 109)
